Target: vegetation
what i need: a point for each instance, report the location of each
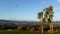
(17, 32)
(26, 32)
(46, 16)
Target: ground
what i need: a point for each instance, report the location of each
(26, 32)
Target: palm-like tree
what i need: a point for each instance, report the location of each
(40, 16)
(49, 16)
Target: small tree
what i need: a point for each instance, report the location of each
(19, 28)
(28, 28)
(32, 29)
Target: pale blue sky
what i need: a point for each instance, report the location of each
(26, 9)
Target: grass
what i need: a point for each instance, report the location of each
(17, 32)
(26, 32)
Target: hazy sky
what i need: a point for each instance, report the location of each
(27, 9)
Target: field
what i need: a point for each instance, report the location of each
(25, 32)
(17, 32)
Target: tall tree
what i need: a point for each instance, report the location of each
(40, 17)
(46, 15)
(49, 16)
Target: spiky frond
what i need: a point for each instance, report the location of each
(40, 14)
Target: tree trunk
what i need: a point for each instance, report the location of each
(51, 27)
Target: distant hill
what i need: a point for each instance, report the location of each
(24, 22)
(18, 22)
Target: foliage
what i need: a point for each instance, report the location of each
(6, 27)
(32, 29)
(19, 28)
(40, 14)
(47, 16)
(26, 32)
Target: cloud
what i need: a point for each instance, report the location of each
(58, 0)
(43, 2)
(55, 9)
(56, 19)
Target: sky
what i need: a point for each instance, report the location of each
(27, 9)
